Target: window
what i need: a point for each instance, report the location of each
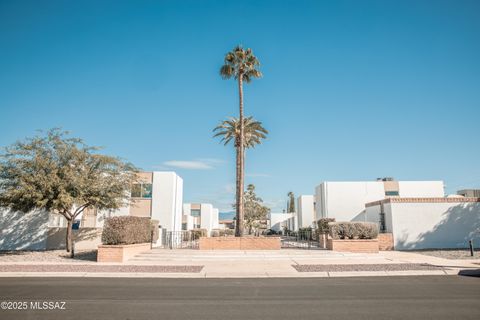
(391, 193)
(142, 190)
(195, 213)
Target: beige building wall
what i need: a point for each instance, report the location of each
(141, 208)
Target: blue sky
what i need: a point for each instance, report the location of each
(352, 90)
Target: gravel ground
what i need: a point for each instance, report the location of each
(450, 254)
(363, 267)
(99, 268)
(48, 256)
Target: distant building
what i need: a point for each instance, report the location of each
(200, 215)
(305, 211)
(469, 193)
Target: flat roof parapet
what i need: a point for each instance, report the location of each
(420, 200)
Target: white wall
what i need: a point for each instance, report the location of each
(305, 211)
(411, 189)
(206, 213)
(431, 224)
(215, 224)
(434, 225)
(23, 231)
(167, 200)
(345, 201)
(278, 220)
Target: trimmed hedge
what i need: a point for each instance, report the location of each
(353, 230)
(227, 232)
(127, 230)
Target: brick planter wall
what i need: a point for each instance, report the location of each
(239, 243)
(354, 245)
(120, 253)
(385, 242)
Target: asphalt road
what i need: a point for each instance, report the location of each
(426, 297)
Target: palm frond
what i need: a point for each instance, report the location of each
(229, 130)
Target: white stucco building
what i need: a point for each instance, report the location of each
(423, 223)
(345, 201)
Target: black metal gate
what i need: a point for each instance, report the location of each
(179, 240)
(302, 239)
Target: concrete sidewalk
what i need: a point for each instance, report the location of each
(264, 264)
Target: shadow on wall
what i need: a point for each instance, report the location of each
(459, 224)
(84, 238)
(361, 217)
(23, 231)
(30, 231)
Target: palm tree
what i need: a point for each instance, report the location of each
(291, 202)
(230, 130)
(241, 65)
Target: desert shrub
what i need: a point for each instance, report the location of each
(226, 232)
(366, 230)
(322, 225)
(154, 227)
(215, 233)
(337, 230)
(353, 230)
(197, 233)
(126, 230)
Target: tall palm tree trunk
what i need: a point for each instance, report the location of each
(240, 163)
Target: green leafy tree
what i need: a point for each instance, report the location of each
(291, 202)
(241, 65)
(62, 175)
(255, 212)
(254, 133)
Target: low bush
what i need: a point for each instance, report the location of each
(353, 230)
(215, 233)
(126, 230)
(226, 232)
(322, 225)
(197, 233)
(366, 230)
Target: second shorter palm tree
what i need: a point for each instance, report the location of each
(254, 133)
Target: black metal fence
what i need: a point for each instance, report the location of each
(179, 240)
(302, 239)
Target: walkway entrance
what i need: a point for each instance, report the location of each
(178, 240)
(304, 239)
